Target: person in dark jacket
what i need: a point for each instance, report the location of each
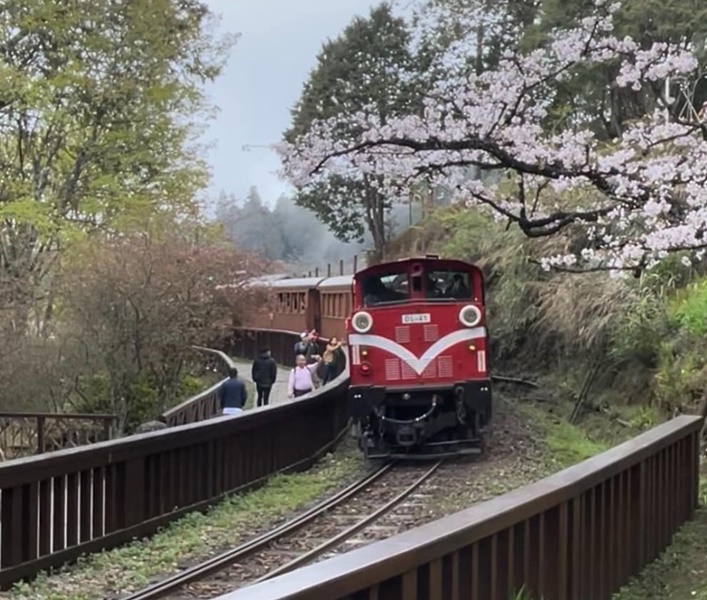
(232, 394)
(305, 347)
(264, 374)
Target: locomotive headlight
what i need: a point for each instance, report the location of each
(470, 316)
(362, 322)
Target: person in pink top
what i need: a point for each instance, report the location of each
(300, 382)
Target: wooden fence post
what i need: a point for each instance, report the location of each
(40, 435)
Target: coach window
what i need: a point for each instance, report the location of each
(381, 289)
(448, 284)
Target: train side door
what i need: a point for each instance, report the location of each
(314, 313)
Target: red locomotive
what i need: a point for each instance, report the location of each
(417, 347)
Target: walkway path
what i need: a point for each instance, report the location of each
(279, 390)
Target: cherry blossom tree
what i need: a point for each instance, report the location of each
(633, 199)
(498, 25)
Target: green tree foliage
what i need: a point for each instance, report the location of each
(368, 64)
(98, 107)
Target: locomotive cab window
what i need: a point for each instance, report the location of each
(385, 288)
(448, 285)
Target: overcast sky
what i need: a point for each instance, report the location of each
(277, 48)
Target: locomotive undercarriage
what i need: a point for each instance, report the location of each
(419, 424)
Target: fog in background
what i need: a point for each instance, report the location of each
(293, 235)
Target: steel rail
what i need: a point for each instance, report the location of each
(338, 539)
(216, 563)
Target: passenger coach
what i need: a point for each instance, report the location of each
(303, 304)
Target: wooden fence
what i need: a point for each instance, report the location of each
(27, 433)
(58, 506)
(576, 535)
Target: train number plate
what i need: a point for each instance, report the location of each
(417, 318)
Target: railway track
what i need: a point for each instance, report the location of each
(370, 509)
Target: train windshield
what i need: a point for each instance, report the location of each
(438, 284)
(447, 284)
(385, 288)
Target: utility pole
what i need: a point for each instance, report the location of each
(668, 100)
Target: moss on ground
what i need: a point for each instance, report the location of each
(195, 536)
(566, 444)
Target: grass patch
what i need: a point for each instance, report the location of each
(194, 537)
(680, 572)
(689, 307)
(523, 594)
(569, 444)
(566, 444)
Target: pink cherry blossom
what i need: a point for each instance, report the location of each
(645, 193)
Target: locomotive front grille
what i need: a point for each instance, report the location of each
(400, 370)
(392, 369)
(407, 371)
(402, 335)
(445, 367)
(431, 332)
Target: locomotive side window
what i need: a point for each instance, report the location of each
(389, 287)
(448, 284)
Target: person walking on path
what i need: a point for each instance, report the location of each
(329, 360)
(264, 375)
(232, 394)
(300, 382)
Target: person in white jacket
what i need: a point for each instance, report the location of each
(300, 381)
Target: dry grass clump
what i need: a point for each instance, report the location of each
(582, 310)
(530, 309)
